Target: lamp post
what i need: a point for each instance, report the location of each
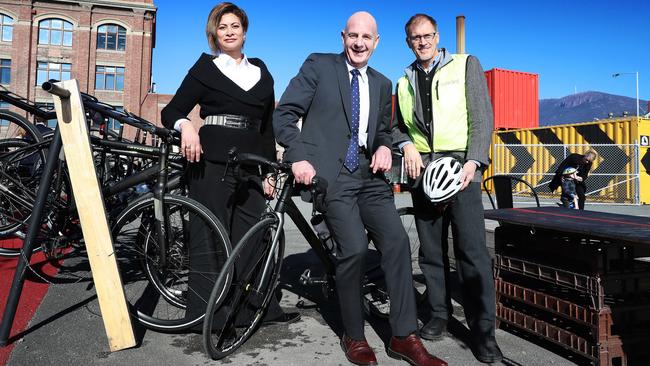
(637, 88)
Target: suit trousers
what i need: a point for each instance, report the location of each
(361, 200)
(473, 262)
(238, 204)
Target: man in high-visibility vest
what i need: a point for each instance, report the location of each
(443, 108)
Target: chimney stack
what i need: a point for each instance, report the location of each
(460, 34)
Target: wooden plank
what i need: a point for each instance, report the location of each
(92, 214)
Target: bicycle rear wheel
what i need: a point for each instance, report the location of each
(232, 319)
(407, 215)
(158, 295)
(15, 126)
(21, 165)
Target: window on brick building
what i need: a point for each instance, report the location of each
(56, 32)
(5, 71)
(52, 70)
(111, 37)
(6, 28)
(109, 78)
(114, 124)
(4, 122)
(51, 123)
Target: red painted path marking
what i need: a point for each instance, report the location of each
(30, 299)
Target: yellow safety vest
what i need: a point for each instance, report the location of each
(449, 103)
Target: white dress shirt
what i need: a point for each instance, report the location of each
(244, 74)
(364, 103)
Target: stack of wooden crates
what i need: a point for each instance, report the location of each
(585, 296)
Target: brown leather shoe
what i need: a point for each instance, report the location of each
(411, 350)
(358, 352)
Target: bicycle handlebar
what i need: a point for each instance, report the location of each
(107, 110)
(26, 105)
(318, 186)
(235, 157)
(55, 89)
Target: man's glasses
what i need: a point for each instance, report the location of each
(426, 37)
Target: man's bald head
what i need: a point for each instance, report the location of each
(362, 17)
(359, 38)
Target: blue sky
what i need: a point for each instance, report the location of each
(574, 45)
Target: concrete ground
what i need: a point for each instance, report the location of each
(67, 328)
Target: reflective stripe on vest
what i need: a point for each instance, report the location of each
(449, 103)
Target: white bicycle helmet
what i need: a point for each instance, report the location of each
(441, 179)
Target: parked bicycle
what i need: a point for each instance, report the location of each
(149, 233)
(252, 291)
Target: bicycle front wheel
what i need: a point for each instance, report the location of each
(157, 294)
(407, 215)
(232, 319)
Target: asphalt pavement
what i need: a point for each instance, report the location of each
(67, 328)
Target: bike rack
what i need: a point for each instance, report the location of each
(71, 133)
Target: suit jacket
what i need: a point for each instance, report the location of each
(215, 93)
(320, 94)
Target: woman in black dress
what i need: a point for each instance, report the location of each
(236, 99)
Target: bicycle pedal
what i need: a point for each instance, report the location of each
(307, 280)
(306, 304)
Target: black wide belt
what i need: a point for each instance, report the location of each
(233, 121)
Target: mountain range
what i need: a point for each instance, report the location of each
(587, 107)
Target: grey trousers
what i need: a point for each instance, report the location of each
(473, 261)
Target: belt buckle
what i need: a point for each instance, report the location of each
(228, 122)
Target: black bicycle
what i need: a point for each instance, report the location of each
(252, 290)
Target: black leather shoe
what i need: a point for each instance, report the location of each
(487, 350)
(285, 318)
(434, 329)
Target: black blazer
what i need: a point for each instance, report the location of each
(215, 93)
(320, 94)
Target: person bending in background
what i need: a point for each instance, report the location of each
(235, 94)
(582, 162)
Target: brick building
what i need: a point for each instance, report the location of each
(105, 44)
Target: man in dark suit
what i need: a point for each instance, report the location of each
(345, 138)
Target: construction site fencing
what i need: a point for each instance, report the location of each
(614, 175)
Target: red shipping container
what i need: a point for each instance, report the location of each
(515, 98)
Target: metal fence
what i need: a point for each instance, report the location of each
(614, 176)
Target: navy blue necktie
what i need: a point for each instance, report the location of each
(352, 157)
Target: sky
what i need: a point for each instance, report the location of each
(573, 45)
